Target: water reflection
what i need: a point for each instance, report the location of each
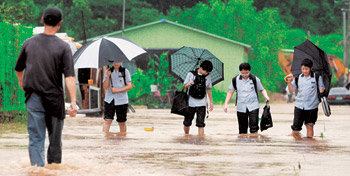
(252, 138)
(312, 145)
(193, 139)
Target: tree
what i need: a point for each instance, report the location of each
(18, 11)
(239, 20)
(165, 5)
(318, 17)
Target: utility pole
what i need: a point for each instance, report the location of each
(123, 22)
(345, 44)
(346, 59)
(84, 33)
(346, 39)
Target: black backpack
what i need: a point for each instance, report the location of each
(198, 89)
(122, 71)
(317, 76)
(234, 83)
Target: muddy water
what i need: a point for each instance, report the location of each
(166, 151)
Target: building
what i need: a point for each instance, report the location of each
(168, 35)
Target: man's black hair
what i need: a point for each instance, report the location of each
(207, 66)
(244, 66)
(307, 63)
(52, 16)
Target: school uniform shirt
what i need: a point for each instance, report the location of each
(119, 98)
(247, 98)
(307, 97)
(194, 102)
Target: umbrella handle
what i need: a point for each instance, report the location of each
(285, 79)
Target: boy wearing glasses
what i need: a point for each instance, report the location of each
(247, 86)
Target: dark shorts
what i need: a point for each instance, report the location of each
(250, 119)
(200, 111)
(308, 117)
(119, 110)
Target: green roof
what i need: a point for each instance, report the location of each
(169, 22)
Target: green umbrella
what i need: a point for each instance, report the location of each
(187, 59)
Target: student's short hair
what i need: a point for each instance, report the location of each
(207, 66)
(307, 63)
(244, 66)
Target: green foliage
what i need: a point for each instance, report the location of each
(156, 74)
(11, 96)
(141, 84)
(165, 5)
(318, 17)
(18, 11)
(218, 96)
(263, 30)
(100, 17)
(238, 20)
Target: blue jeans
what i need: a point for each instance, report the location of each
(37, 123)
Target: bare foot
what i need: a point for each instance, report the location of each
(296, 135)
(121, 134)
(201, 135)
(107, 134)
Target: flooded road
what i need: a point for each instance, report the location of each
(167, 151)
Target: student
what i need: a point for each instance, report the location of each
(39, 68)
(247, 86)
(199, 84)
(306, 100)
(116, 82)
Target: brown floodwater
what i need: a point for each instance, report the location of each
(167, 151)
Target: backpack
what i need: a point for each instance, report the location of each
(234, 83)
(317, 76)
(198, 89)
(122, 71)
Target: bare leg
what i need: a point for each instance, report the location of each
(106, 126)
(187, 129)
(296, 135)
(200, 131)
(309, 131)
(122, 127)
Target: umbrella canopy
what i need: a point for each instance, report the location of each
(319, 59)
(105, 51)
(187, 59)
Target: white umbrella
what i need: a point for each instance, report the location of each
(105, 51)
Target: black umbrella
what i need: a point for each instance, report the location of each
(187, 59)
(320, 62)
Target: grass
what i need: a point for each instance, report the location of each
(13, 127)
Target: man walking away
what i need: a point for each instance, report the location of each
(39, 68)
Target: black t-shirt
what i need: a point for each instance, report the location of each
(45, 58)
